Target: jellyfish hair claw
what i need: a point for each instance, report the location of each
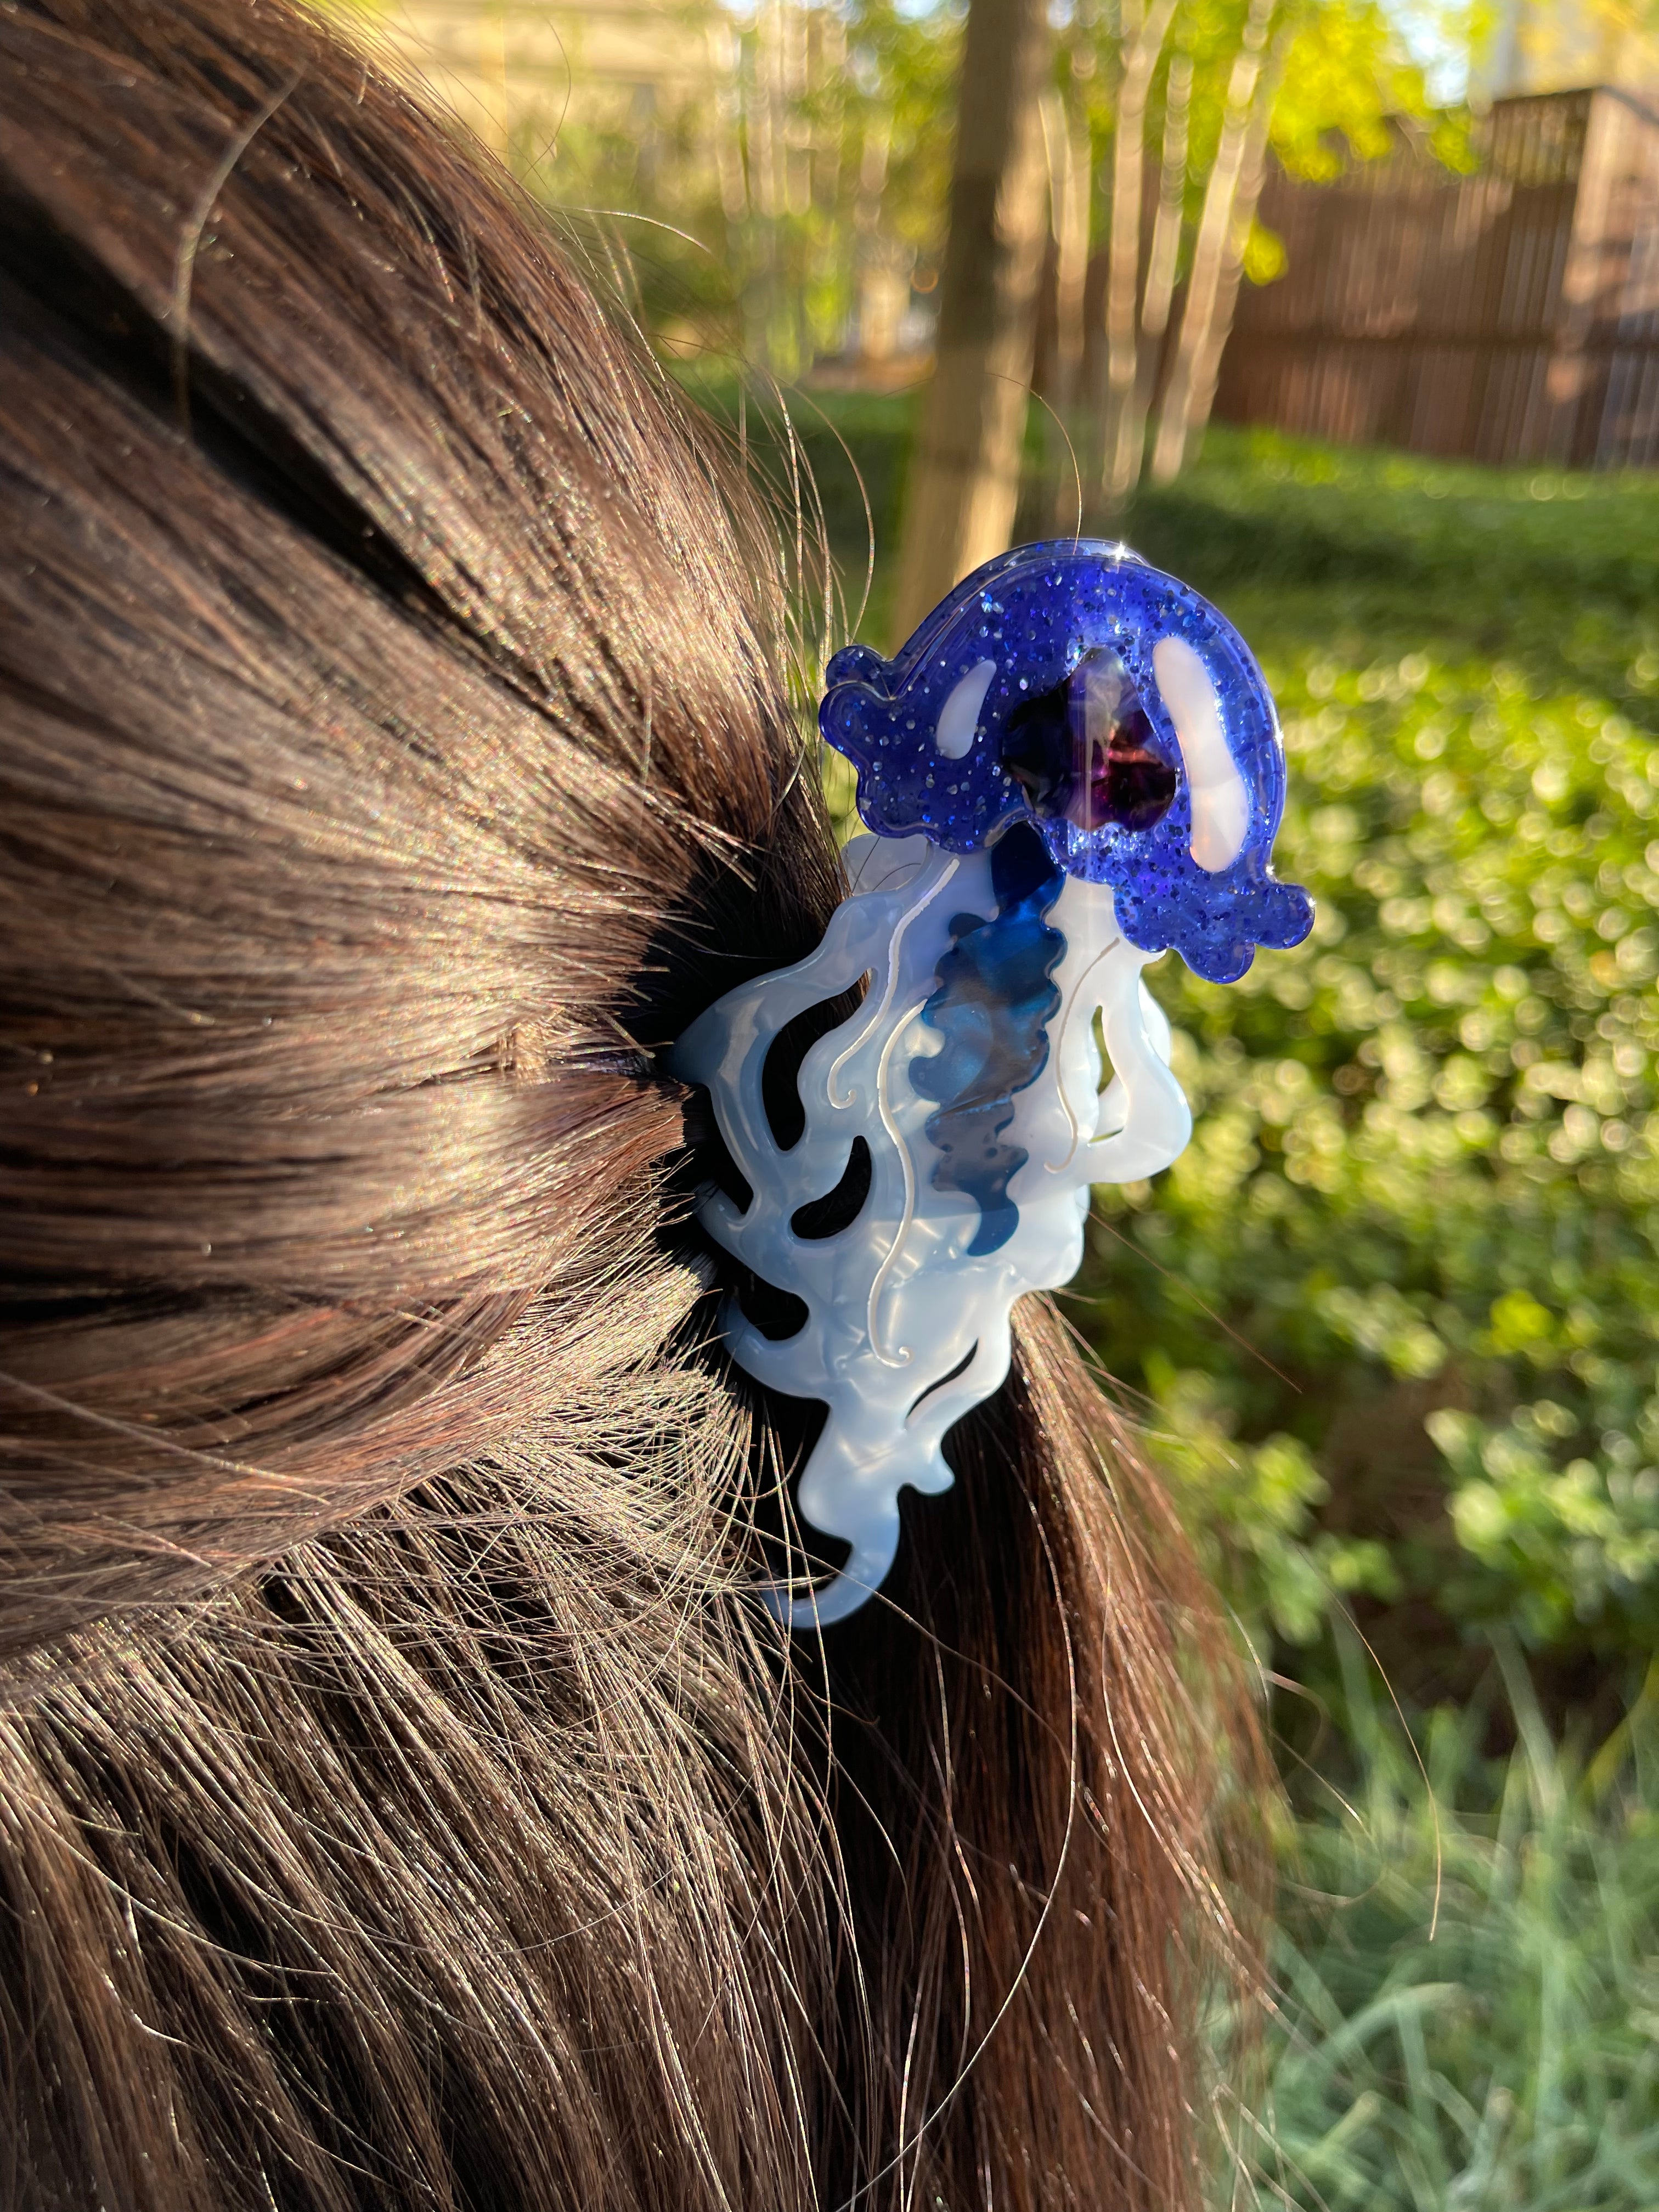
(1073, 765)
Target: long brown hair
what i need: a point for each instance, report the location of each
(404, 1800)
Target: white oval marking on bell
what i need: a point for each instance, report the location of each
(958, 718)
(1221, 805)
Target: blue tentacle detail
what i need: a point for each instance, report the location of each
(995, 1001)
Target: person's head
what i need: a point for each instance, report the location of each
(404, 1799)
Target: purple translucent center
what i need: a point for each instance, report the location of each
(1087, 751)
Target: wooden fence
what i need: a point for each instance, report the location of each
(1510, 315)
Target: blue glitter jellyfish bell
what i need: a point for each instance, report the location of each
(1073, 765)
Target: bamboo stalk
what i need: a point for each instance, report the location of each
(1070, 178)
(1252, 170)
(964, 474)
(1129, 456)
(1215, 227)
(725, 59)
(1123, 254)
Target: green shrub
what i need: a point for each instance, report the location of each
(1414, 1233)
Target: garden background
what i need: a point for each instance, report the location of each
(1391, 1324)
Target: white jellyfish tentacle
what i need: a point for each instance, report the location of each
(907, 1328)
(1087, 913)
(1141, 1122)
(1145, 1121)
(934, 880)
(900, 1357)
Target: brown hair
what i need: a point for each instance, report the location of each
(404, 1801)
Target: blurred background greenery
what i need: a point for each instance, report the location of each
(1391, 1325)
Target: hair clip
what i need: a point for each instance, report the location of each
(1073, 765)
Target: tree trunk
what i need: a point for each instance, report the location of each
(1141, 50)
(965, 473)
(1071, 175)
(1210, 252)
(1071, 180)
(726, 59)
(1160, 276)
(1252, 173)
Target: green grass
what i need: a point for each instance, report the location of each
(1468, 1974)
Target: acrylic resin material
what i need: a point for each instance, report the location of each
(1071, 765)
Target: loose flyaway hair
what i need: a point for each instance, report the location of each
(404, 1799)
